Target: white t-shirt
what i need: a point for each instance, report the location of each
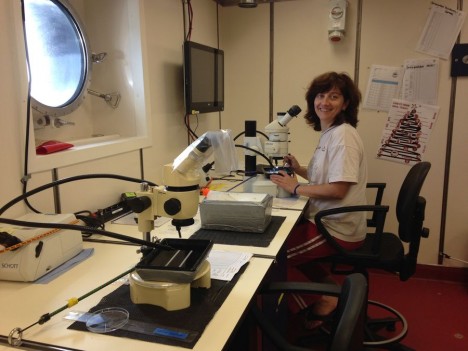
(339, 157)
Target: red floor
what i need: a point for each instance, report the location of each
(436, 310)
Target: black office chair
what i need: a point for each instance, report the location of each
(347, 328)
(385, 251)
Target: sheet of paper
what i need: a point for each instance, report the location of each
(441, 30)
(421, 81)
(383, 87)
(406, 133)
(225, 264)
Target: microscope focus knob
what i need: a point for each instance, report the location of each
(139, 204)
(172, 206)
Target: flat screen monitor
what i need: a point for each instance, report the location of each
(203, 78)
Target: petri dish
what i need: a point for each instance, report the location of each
(107, 320)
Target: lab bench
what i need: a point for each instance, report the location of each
(24, 303)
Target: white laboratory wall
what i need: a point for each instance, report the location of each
(245, 40)
(390, 30)
(165, 36)
(301, 50)
(11, 111)
(389, 39)
(297, 61)
(389, 36)
(97, 129)
(163, 26)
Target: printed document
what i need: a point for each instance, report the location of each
(383, 87)
(421, 81)
(407, 131)
(441, 30)
(225, 264)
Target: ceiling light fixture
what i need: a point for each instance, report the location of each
(247, 3)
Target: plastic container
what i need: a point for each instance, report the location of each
(107, 320)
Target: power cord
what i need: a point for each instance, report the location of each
(90, 220)
(26, 175)
(257, 152)
(257, 131)
(444, 255)
(67, 180)
(91, 226)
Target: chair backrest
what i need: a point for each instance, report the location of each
(348, 330)
(408, 205)
(410, 210)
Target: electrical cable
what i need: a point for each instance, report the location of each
(90, 220)
(15, 337)
(257, 131)
(191, 133)
(36, 345)
(67, 180)
(26, 175)
(217, 45)
(190, 19)
(242, 182)
(103, 241)
(253, 150)
(193, 136)
(453, 258)
(226, 178)
(85, 229)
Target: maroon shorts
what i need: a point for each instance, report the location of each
(304, 245)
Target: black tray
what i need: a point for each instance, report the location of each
(177, 265)
(268, 171)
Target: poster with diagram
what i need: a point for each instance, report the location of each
(407, 130)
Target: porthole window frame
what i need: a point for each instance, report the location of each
(81, 91)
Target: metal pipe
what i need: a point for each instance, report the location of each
(357, 52)
(448, 157)
(36, 346)
(56, 192)
(272, 63)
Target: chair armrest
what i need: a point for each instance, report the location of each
(272, 332)
(380, 190)
(301, 287)
(379, 211)
(371, 222)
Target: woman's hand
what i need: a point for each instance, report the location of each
(284, 180)
(291, 162)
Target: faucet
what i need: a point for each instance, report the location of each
(59, 122)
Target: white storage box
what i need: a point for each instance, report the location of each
(240, 212)
(32, 261)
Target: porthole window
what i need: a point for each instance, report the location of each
(58, 55)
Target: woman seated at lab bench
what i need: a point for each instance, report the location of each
(337, 177)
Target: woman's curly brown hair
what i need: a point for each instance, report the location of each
(351, 94)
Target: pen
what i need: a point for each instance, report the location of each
(264, 256)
